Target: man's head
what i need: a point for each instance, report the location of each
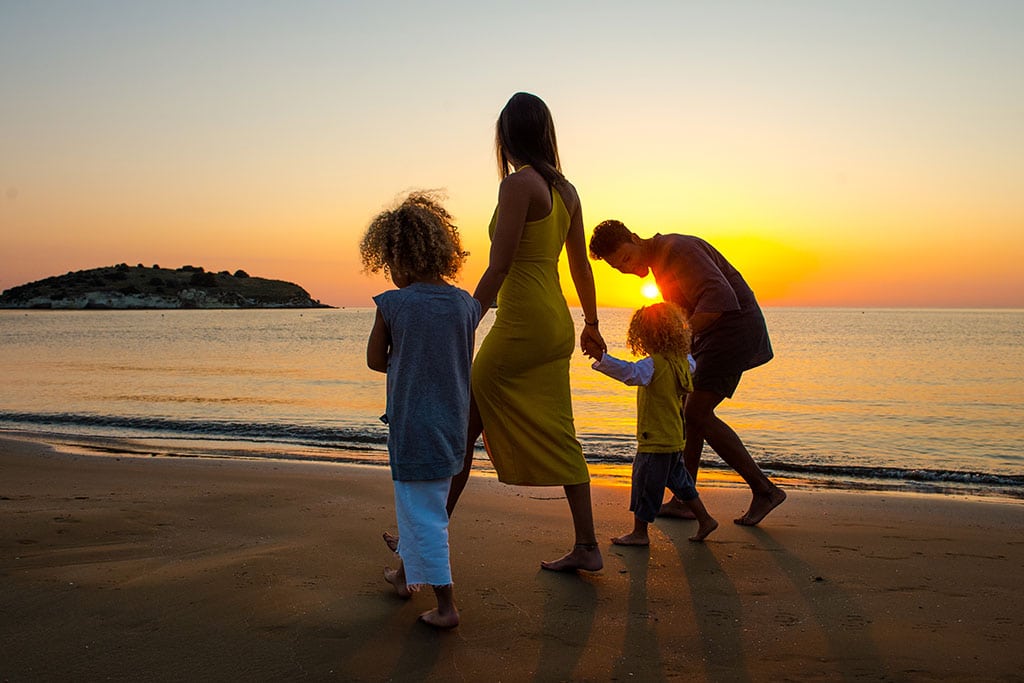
(613, 242)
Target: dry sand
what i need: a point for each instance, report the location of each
(197, 569)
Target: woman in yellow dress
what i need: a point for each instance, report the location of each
(520, 381)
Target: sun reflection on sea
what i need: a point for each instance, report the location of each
(620, 475)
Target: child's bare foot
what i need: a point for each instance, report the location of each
(632, 538)
(761, 505)
(391, 541)
(705, 529)
(677, 509)
(585, 556)
(397, 580)
(438, 620)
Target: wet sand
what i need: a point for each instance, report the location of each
(128, 568)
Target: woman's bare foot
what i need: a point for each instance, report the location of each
(761, 505)
(391, 541)
(585, 556)
(397, 579)
(632, 538)
(705, 528)
(675, 508)
(438, 620)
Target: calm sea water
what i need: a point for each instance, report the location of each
(926, 400)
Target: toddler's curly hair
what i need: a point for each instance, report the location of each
(417, 237)
(659, 328)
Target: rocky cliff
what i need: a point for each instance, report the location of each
(135, 287)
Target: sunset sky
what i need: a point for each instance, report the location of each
(840, 153)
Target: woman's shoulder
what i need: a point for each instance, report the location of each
(525, 179)
(521, 186)
(569, 195)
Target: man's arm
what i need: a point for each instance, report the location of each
(702, 282)
(702, 320)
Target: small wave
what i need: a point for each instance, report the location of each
(896, 473)
(306, 435)
(599, 449)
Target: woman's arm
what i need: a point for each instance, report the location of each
(378, 348)
(513, 202)
(591, 340)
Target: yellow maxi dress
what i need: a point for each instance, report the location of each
(520, 374)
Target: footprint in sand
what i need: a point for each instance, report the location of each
(1000, 630)
(718, 615)
(855, 621)
(493, 599)
(786, 619)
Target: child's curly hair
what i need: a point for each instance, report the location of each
(417, 238)
(659, 328)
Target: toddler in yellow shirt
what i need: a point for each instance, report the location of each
(663, 378)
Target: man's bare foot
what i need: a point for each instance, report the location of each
(632, 538)
(675, 508)
(761, 505)
(391, 541)
(392, 576)
(705, 529)
(437, 620)
(585, 556)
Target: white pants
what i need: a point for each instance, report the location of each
(423, 531)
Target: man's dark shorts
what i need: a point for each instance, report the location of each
(720, 385)
(732, 345)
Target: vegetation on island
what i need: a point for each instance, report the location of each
(140, 287)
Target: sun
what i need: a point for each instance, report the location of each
(650, 290)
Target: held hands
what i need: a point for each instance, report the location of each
(592, 342)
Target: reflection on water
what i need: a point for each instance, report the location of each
(854, 391)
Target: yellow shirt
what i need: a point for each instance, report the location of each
(662, 385)
(659, 406)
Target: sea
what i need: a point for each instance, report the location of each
(913, 400)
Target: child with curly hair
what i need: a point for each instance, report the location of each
(423, 339)
(659, 332)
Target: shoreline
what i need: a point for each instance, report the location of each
(216, 569)
(715, 474)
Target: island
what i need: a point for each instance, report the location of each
(148, 287)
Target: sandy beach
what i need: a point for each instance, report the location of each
(126, 568)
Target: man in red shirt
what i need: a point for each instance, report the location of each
(729, 338)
